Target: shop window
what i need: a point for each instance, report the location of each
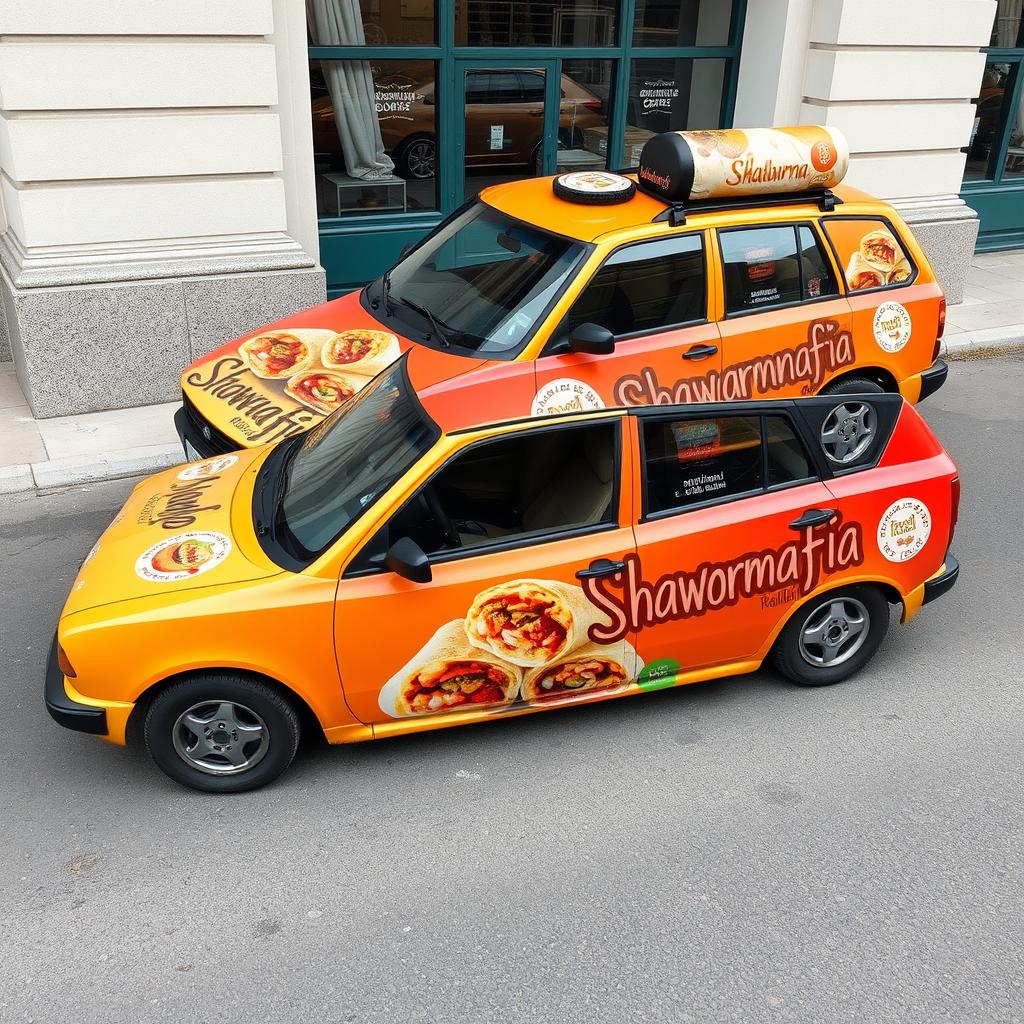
(1014, 165)
(682, 23)
(371, 22)
(585, 108)
(986, 135)
(645, 288)
(761, 267)
(692, 461)
(671, 94)
(536, 22)
(374, 136)
(870, 253)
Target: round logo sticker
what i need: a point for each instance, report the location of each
(904, 529)
(204, 470)
(565, 395)
(183, 556)
(823, 156)
(891, 326)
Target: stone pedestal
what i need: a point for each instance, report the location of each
(113, 344)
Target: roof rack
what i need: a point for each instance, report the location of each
(675, 213)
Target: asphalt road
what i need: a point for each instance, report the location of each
(738, 851)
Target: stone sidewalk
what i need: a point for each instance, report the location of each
(44, 454)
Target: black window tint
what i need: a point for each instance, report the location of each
(529, 484)
(645, 287)
(690, 461)
(760, 267)
(532, 85)
(818, 277)
(786, 455)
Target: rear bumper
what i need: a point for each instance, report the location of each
(933, 378)
(65, 711)
(943, 581)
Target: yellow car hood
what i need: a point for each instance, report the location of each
(188, 527)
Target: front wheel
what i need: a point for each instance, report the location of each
(832, 637)
(221, 734)
(417, 158)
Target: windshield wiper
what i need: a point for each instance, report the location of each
(385, 291)
(275, 483)
(434, 322)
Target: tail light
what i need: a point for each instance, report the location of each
(954, 508)
(942, 317)
(592, 105)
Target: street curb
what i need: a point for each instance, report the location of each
(991, 338)
(88, 469)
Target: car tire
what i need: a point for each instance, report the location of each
(417, 158)
(854, 386)
(221, 733)
(803, 658)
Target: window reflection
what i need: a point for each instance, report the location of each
(1014, 166)
(536, 22)
(370, 22)
(988, 119)
(584, 113)
(374, 136)
(682, 23)
(1008, 27)
(667, 94)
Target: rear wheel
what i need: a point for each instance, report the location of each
(221, 734)
(832, 637)
(418, 157)
(854, 386)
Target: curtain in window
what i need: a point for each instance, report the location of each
(350, 83)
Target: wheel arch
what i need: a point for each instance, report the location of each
(307, 716)
(888, 589)
(882, 377)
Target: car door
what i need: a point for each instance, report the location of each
(786, 328)
(735, 527)
(508, 523)
(653, 297)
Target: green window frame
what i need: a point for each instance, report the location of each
(998, 198)
(357, 247)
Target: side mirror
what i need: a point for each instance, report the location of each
(592, 339)
(406, 558)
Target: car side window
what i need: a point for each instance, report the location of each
(785, 456)
(526, 485)
(761, 267)
(816, 271)
(692, 461)
(647, 287)
(870, 252)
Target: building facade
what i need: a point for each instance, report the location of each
(172, 175)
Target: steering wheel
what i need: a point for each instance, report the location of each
(433, 503)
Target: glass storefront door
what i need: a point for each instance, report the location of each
(508, 123)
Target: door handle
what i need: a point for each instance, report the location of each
(700, 351)
(602, 567)
(813, 517)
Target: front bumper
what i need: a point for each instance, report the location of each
(65, 711)
(943, 581)
(933, 378)
(203, 437)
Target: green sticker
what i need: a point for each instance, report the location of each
(659, 674)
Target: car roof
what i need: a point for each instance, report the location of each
(532, 200)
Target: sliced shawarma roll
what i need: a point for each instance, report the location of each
(449, 674)
(592, 668)
(361, 351)
(531, 622)
(861, 274)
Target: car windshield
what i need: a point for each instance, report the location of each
(343, 465)
(480, 283)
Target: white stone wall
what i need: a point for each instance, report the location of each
(135, 129)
